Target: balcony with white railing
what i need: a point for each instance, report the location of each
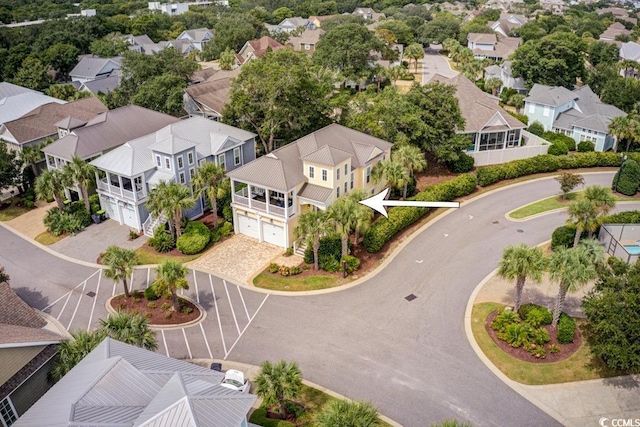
(264, 200)
(124, 191)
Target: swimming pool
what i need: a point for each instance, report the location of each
(633, 249)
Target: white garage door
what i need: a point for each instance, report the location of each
(248, 226)
(273, 234)
(109, 207)
(129, 217)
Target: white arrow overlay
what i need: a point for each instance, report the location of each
(378, 202)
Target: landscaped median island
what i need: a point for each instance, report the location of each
(553, 203)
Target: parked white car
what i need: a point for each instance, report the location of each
(235, 380)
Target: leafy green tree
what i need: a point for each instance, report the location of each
(602, 52)
(281, 13)
(82, 174)
(227, 59)
(130, 329)
(232, 32)
(162, 93)
(416, 52)
(146, 24)
(583, 214)
(443, 26)
(170, 276)
(312, 226)
(51, 184)
(392, 172)
(206, 181)
(613, 311)
(340, 412)
(536, 128)
(571, 269)
(4, 277)
(32, 74)
(62, 57)
(120, 263)
(72, 351)
(278, 382)
(621, 92)
(67, 92)
(568, 181)
(347, 49)
(400, 30)
(554, 60)
(522, 262)
(280, 96)
(340, 20)
(109, 46)
(412, 159)
(10, 167)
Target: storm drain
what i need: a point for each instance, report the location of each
(410, 297)
(495, 222)
(91, 294)
(520, 230)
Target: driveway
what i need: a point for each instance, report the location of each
(434, 63)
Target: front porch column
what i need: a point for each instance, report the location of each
(286, 205)
(108, 176)
(120, 182)
(249, 194)
(267, 199)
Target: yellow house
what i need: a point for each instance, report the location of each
(271, 192)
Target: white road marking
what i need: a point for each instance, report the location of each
(206, 341)
(95, 299)
(64, 306)
(148, 275)
(231, 305)
(77, 304)
(243, 304)
(184, 334)
(215, 303)
(470, 217)
(245, 328)
(420, 261)
(79, 284)
(164, 340)
(446, 235)
(195, 282)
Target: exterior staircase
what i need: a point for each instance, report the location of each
(151, 223)
(300, 249)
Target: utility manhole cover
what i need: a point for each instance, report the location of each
(91, 294)
(520, 230)
(410, 297)
(495, 222)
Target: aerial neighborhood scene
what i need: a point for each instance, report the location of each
(346, 213)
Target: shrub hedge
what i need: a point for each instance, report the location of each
(330, 246)
(196, 227)
(162, 240)
(221, 231)
(627, 179)
(535, 314)
(566, 329)
(563, 237)
(382, 230)
(192, 243)
(558, 148)
(150, 294)
(585, 146)
(463, 164)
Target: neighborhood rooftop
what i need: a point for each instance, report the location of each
(15, 101)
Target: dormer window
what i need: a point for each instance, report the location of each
(312, 172)
(324, 175)
(158, 161)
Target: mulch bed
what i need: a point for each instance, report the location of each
(566, 350)
(156, 316)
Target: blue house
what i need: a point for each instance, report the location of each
(579, 114)
(127, 174)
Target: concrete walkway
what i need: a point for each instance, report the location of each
(31, 223)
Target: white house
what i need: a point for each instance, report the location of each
(492, 46)
(504, 73)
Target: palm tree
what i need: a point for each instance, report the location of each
(208, 178)
(592, 250)
(450, 44)
(31, 156)
(583, 214)
(157, 203)
(341, 214)
(83, 174)
(414, 51)
(71, 352)
(51, 184)
(571, 269)
(521, 262)
(312, 226)
(340, 412)
(362, 215)
(170, 276)
(121, 262)
(516, 101)
(391, 171)
(170, 199)
(278, 382)
(397, 72)
(130, 329)
(622, 128)
(413, 160)
(601, 197)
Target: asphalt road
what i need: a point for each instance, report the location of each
(411, 359)
(434, 63)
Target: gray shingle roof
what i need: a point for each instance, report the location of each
(590, 113)
(282, 169)
(92, 67)
(109, 130)
(550, 95)
(121, 385)
(630, 50)
(14, 104)
(103, 86)
(14, 311)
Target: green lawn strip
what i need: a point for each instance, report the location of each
(578, 367)
(551, 203)
(145, 256)
(276, 282)
(47, 238)
(311, 398)
(13, 211)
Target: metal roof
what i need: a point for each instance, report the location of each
(315, 192)
(15, 106)
(327, 156)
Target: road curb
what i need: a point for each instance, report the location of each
(203, 315)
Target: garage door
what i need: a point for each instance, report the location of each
(129, 217)
(273, 234)
(109, 207)
(248, 226)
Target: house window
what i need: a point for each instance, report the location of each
(338, 174)
(51, 161)
(368, 175)
(307, 47)
(167, 163)
(190, 158)
(7, 412)
(221, 162)
(532, 108)
(182, 180)
(545, 111)
(192, 172)
(345, 187)
(337, 192)
(312, 172)
(324, 175)
(236, 156)
(345, 169)
(158, 161)
(513, 138)
(180, 162)
(351, 180)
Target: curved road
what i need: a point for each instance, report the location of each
(411, 359)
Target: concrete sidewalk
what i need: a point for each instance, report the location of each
(580, 403)
(31, 223)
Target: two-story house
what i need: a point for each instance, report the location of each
(197, 37)
(614, 30)
(270, 193)
(15, 101)
(492, 46)
(579, 114)
(289, 25)
(94, 68)
(256, 49)
(368, 13)
(504, 73)
(306, 41)
(101, 134)
(127, 174)
(507, 23)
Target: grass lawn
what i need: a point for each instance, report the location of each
(276, 282)
(47, 238)
(551, 203)
(312, 399)
(13, 211)
(578, 367)
(145, 256)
